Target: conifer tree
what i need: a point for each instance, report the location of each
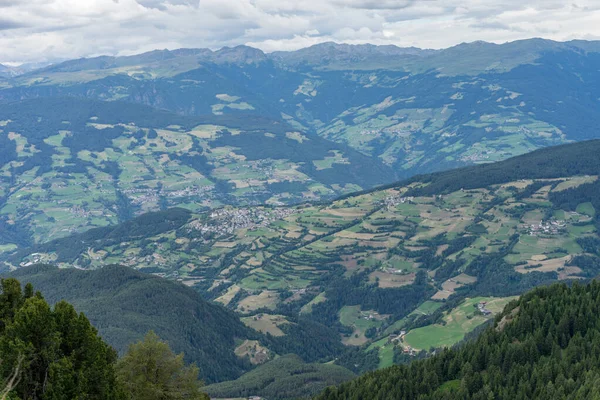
(51, 354)
(151, 371)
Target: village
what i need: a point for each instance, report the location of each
(475, 157)
(395, 271)
(226, 221)
(398, 340)
(387, 131)
(482, 308)
(552, 227)
(82, 212)
(393, 201)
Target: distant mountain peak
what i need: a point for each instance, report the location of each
(8, 71)
(358, 48)
(331, 53)
(239, 54)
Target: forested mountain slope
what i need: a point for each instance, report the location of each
(124, 305)
(52, 351)
(546, 345)
(284, 378)
(434, 257)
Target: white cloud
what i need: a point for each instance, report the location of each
(37, 30)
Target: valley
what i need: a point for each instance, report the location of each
(399, 270)
(293, 220)
(202, 129)
(103, 163)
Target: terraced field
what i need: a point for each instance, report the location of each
(411, 260)
(77, 165)
(92, 142)
(410, 133)
(261, 260)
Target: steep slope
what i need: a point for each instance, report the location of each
(67, 165)
(124, 305)
(418, 256)
(543, 346)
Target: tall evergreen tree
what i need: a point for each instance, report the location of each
(151, 371)
(51, 353)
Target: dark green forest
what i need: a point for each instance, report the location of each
(286, 377)
(546, 345)
(54, 353)
(124, 304)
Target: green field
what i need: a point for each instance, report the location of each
(352, 316)
(273, 259)
(587, 209)
(386, 352)
(427, 308)
(458, 322)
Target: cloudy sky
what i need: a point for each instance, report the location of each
(46, 30)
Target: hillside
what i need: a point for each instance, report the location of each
(545, 345)
(124, 305)
(93, 142)
(287, 377)
(427, 256)
(67, 165)
(415, 110)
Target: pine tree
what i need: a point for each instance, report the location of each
(151, 371)
(51, 354)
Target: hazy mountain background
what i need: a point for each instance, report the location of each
(238, 126)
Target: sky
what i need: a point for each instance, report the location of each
(51, 30)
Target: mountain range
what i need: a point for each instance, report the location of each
(238, 126)
(310, 215)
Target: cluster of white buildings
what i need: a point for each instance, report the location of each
(482, 307)
(140, 196)
(228, 220)
(547, 228)
(393, 201)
